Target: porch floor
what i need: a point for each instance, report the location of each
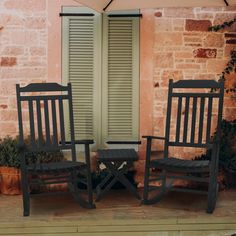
(119, 213)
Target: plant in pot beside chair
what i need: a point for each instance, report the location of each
(9, 166)
(10, 178)
(228, 152)
(230, 172)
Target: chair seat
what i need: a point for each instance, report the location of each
(55, 166)
(175, 164)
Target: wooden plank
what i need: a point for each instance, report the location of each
(66, 223)
(209, 233)
(165, 233)
(38, 230)
(86, 230)
(207, 220)
(157, 228)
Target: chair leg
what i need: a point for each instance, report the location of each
(212, 195)
(147, 171)
(25, 193)
(72, 185)
(146, 185)
(158, 197)
(91, 205)
(90, 191)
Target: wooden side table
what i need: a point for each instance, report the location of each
(117, 162)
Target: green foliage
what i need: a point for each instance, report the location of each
(231, 65)
(228, 139)
(10, 154)
(222, 26)
(227, 145)
(231, 165)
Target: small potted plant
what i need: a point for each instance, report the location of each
(228, 151)
(230, 172)
(9, 166)
(10, 175)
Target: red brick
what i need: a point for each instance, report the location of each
(26, 5)
(8, 128)
(158, 14)
(197, 25)
(188, 66)
(214, 40)
(8, 61)
(3, 106)
(13, 51)
(8, 115)
(205, 53)
(35, 23)
(164, 60)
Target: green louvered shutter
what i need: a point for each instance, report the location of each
(120, 81)
(81, 65)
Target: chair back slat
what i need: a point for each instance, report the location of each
(185, 132)
(47, 123)
(194, 111)
(39, 122)
(32, 127)
(46, 116)
(62, 122)
(71, 118)
(54, 123)
(196, 106)
(178, 119)
(209, 119)
(201, 117)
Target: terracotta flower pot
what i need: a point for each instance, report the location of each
(10, 181)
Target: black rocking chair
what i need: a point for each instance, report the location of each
(194, 130)
(46, 104)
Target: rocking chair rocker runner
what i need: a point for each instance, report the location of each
(47, 133)
(194, 130)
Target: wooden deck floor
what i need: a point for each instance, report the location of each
(119, 214)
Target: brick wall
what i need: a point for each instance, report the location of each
(23, 53)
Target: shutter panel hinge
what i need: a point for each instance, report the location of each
(76, 14)
(125, 15)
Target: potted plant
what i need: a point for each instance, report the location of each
(9, 166)
(10, 178)
(230, 172)
(228, 152)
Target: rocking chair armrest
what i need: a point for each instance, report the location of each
(84, 141)
(153, 137)
(124, 142)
